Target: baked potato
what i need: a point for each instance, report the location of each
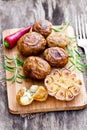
(57, 57)
(25, 96)
(31, 43)
(57, 39)
(36, 67)
(43, 27)
(63, 84)
(39, 93)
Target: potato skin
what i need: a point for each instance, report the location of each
(31, 43)
(43, 27)
(57, 39)
(57, 57)
(36, 67)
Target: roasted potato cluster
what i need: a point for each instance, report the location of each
(51, 45)
(45, 49)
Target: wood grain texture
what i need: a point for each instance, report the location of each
(19, 13)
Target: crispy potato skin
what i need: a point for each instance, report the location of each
(41, 94)
(31, 43)
(57, 57)
(19, 95)
(36, 67)
(43, 27)
(57, 39)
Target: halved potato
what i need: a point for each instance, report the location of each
(35, 92)
(41, 94)
(23, 97)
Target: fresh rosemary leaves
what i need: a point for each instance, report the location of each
(61, 28)
(14, 65)
(74, 56)
(75, 59)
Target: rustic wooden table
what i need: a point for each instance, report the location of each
(19, 13)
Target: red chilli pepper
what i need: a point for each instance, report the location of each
(11, 40)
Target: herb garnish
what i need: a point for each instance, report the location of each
(61, 28)
(75, 59)
(14, 65)
(74, 56)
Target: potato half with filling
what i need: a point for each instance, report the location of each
(38, 92)
(36, 67)
(43, 27)
(58, 39)
(24, 97)
(31, 43)
(63, 84)
(57, 57)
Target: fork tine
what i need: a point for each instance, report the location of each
(79, 26)
(76, 26)
(83, 26)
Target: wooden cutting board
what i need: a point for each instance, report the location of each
(51, 104)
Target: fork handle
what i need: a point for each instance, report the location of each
(85, 49)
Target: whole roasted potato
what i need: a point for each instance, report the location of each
(57, 57)
(57, 39)
(36, 67)
(31, 43)
(44, 27)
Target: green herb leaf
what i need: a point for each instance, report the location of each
(66, 26)
(8, 57)
(19, 62)
(79, 55)
(82, 64)
(10, 79)
(61, 28)
(57, 30)
(75, 58)
(8, 69)
(22, 76)
(15, 69)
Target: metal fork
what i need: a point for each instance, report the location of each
(81, 31)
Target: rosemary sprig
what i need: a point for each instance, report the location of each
(8, 68)
(13, 65)
(74, 56)
(61, 28)
(75, 59)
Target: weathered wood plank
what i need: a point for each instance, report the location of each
(19, 13)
